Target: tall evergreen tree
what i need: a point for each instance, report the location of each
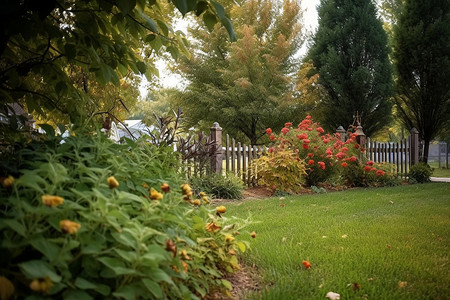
(350, 51)
(246, 86)
(422, 60)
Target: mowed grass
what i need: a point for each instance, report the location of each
(392, 251)
(439, 172)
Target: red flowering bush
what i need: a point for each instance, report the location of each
(326, 157)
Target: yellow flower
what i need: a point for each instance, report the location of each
(165, 188)
(184, 255)
(41, 285)
(69, 227)
(197, 202)
(205, 199)
(112, 182)
(186, 190)
(6, 288)
(185, 266)
(155, 195)
(7, 182)
(202, 194)
(212, 227)
(52, 201)
(229, 238)
(221, 209)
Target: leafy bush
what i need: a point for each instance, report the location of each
(89, 219)
(218, 186)
(281, 169)
(420, 173)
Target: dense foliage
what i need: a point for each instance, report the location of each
(218, 186)
(421, 55)
(52, 53)
(245, 86)
(84, 218)
(350, 52)
(420, 173)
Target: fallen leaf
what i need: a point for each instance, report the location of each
(390, 202)
(344, 236)
(283, 240)
(306, 264)
(333, 296)
(355, 286)
(402, 284)
(282, 205)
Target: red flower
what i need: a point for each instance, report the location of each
(370, 163)
(357, 146)
(353, 158)
(309, 129)
(308, 117)
(270, 150)
(311, 162)
(326, 141)
(306, 264)
(320, 130)
(341, 155)
(373, 169)
(321, 165)
(302, 136)
(380, 173)
(269, 131)
(285, 130)
(306, 141)
(272, 137)
(288, 124)
(367, 168)
(344, 149)
(305, 146)
(310, 155)
(328, 152)
(344, 164)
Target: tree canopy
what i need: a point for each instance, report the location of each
(246, 86)
(43, 43)
(350, 52)
(421, 55)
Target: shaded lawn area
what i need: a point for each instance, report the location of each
(397, 250)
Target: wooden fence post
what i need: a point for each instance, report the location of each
(414, 146)
(341, 132)
(216, 159)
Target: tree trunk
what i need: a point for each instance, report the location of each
(426, 148)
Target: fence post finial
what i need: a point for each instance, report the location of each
(414, 146)
(216, 159)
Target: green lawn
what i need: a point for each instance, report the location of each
(439, 172)
(355, 236)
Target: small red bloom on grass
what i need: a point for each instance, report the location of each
(305, 146)
(269, 131)
(344, 164)
(370, 163)
(311, 162)
(285, 130)
(272, 137)
(306, 264)
(310, 155)
(367, 168)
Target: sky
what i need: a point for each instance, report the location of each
(172, 80)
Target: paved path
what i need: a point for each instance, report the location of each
(440, 179)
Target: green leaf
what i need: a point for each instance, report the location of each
(77, 295)
(39, 269)
(153, 288)
(210, 20)
(70, 50)
(241, 246)
(164, 27)
(159, 275)
(87, 285)
(201, 7)
(156, 43)
(173, 51)
(219, 9)
(117, 266)
(14, 225)
(227, 284)
(150, 38)
(49, 249)
(127, 292)
(126, 6)
(150, 23)
(49, 130)
(229, 27)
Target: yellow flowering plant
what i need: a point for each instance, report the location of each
(79, 221)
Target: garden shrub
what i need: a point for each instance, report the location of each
(218, 186)
(420, 173)
(88, 219)
(280, 169)
(325, 158)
